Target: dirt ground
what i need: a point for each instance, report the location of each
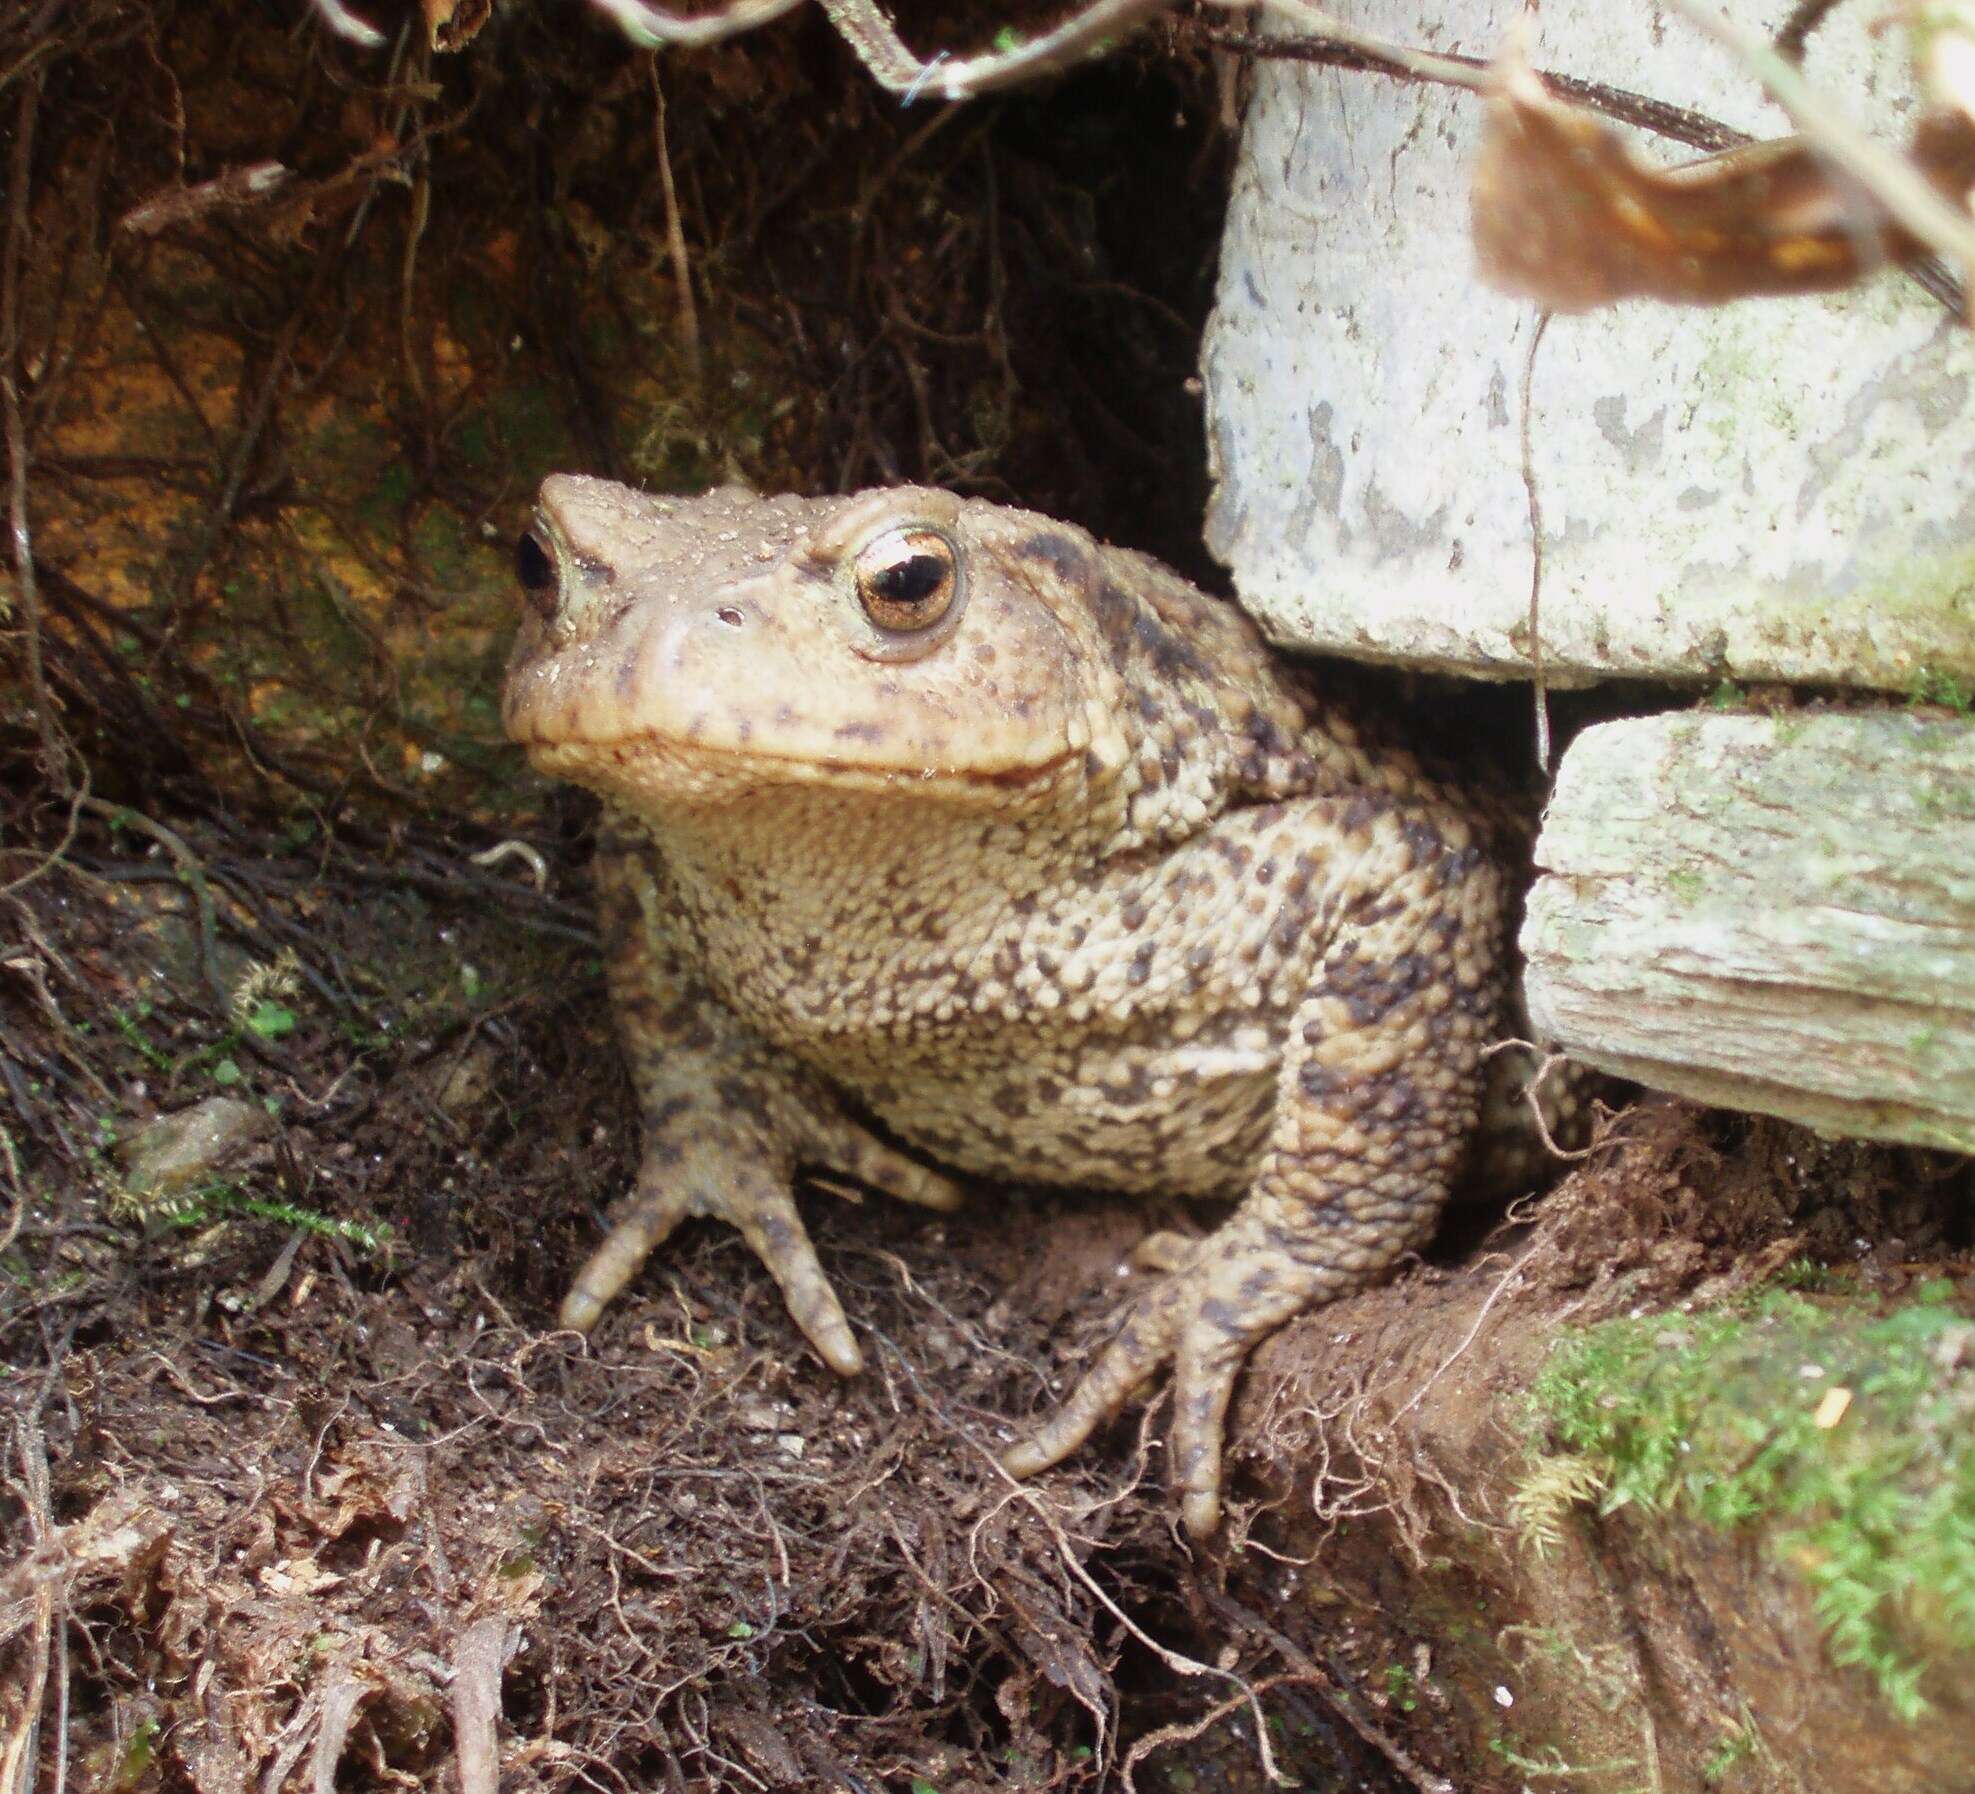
(298, 1484)
(299, 1469)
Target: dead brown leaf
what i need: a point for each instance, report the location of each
(453, 24)
(1567, 213)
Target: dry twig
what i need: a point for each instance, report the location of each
(483, 1652)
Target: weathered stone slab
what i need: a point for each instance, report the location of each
(1777, 490)
(1768, 912)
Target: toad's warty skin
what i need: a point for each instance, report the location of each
(931, 813)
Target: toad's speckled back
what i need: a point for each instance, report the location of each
(938, 812)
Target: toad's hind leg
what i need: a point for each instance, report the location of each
(1377, 1097)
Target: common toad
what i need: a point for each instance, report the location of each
(925, 812)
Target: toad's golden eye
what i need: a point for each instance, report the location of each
(907, 579)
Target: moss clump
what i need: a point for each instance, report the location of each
(1845, 1434)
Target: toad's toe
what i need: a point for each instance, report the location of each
(1209, 1358)
(1134, 1357)
(858, 1153)
(639, 1225)
(766, 1215)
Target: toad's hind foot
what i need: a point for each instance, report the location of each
(1203, 1319)
(1375, 1102)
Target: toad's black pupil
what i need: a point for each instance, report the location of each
(532, 564)
(910, 581)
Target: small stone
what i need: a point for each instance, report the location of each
(180, 1150)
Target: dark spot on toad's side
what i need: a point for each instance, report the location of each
(1400, 1105)
(1423, 842)
(871, 732)
(661, 1114)
(1317, 1081)
(1171, 654)
(1130, 1092)
(684, 1019)
(1370, 1003)
(1061, 555)
(1266, 737)
(1115, 611)
(1457, 866)
(1412, 972)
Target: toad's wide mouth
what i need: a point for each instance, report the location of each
(655, 767)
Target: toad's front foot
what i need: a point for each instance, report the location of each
(738, 1168)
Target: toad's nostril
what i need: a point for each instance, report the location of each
(534, 568)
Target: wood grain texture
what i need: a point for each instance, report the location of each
(1771, 913)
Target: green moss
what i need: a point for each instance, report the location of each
(1729, 1416)
(1548, 1763)
(1743, 1745)
(1685, 883)
(139, 1755)
(1919, 591)
(1933, 687)
(201, 1207)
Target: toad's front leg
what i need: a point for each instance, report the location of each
(1377, 1097)
(727, 1119)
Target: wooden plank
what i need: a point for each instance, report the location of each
(1768, 912)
